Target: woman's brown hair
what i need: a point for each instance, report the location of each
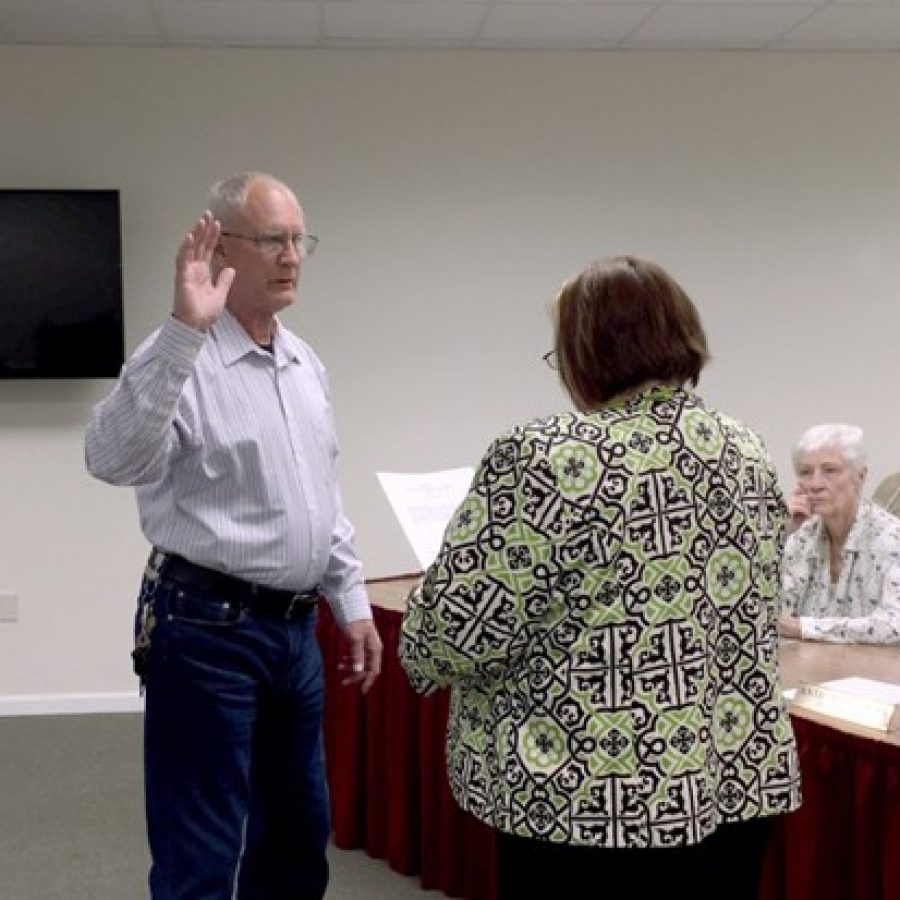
(623, 322)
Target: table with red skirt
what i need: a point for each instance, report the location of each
(390, 797)
(844, 841)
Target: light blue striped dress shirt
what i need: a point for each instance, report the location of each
(234, 456)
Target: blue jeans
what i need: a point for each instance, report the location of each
(236, 797)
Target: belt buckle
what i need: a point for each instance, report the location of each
(295, 601)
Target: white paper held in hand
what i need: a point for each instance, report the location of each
(423, 503)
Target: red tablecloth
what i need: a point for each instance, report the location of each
(844, 842)
(387, 775)
(389, 795)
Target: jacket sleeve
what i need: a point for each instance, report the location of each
(471, 617)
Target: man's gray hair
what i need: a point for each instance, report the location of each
(227, 198)
(846, 438)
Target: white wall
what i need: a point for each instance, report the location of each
(453, 192)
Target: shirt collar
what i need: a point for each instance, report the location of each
(234, 343)
(855, 537)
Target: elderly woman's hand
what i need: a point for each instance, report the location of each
(789, 626)
(799, 509)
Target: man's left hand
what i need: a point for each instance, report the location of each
(361, 663)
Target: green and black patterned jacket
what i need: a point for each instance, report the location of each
(604, 606)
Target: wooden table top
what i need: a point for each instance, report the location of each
(391, 592)
(805, 662)
(812, 662)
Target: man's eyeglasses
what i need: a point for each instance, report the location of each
(550, 358)
(276, 244)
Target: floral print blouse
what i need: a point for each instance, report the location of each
(604, 606)
(864, 605)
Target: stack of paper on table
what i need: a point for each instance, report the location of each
(873, 704)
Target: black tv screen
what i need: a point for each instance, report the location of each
(60, 284)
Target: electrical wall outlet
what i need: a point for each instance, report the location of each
(9, 607)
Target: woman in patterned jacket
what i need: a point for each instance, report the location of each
(604, 606)
(841, 573)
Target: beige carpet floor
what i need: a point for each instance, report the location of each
(71, 817)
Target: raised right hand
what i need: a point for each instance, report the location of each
(199, 297)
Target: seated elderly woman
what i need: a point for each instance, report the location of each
(841, 567)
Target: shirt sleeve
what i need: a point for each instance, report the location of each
(130, 435)
(794, 574)
(344, 585)
(881, 626)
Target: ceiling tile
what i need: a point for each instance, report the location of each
(849, 27)
(240, 22)
(559, 4)
(406, 23)
(94, 21)
(562, 24)
(717, 25)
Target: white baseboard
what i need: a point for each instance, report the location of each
(69, 704)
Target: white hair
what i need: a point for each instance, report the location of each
(846, 438)
(227, 198)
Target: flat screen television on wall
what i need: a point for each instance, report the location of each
(60, 284)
